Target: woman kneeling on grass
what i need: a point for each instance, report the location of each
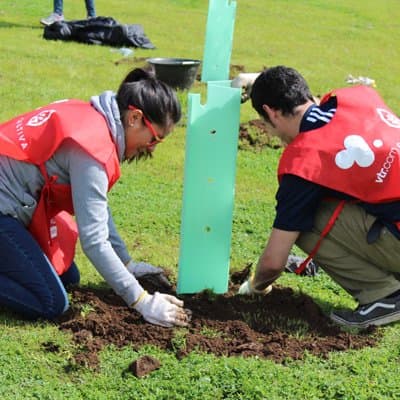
(62, 159)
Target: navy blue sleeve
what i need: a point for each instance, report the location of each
(297, 202)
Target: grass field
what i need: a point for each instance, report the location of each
(325, 41)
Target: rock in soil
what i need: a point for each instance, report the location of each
(144, 365)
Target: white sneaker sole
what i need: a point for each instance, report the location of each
(378, 321)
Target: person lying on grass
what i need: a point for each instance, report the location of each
(339, 191)
(62, 159)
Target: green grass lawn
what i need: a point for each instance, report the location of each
(324, 40)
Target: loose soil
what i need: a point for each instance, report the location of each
(283, 325)
(254, 135)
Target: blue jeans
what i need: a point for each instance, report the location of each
(29, 284)
(90, 10)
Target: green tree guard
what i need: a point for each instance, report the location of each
(208, 194)
(218, 42)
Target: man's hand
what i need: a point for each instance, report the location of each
(162, 309)
(293, 262)
(245, 82)
(141, 269)
(271, 262)
(247, 288)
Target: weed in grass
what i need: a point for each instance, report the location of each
(86, 309)
(294, 327)
(210, 332)
(210, 294)
(178, 342)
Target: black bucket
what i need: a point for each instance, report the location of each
(179, 73)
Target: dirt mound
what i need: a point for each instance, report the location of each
(279, 326)
(254, 135)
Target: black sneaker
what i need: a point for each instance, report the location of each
(380, 312)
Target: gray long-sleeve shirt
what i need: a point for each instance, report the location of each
(21, 183)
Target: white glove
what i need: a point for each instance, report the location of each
(141, 269)
(162, 309)
(247, 288)
(293, 262)
(245, 82)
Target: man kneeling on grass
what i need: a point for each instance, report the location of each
(339, 191)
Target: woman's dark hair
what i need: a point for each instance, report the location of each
(281, 88)
(157, 100)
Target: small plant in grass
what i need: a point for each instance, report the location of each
(210, 294)
(294, 327)
(178, 342)
(254, 319)
(86, 309)
(210, 332)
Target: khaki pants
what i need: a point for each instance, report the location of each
(366, 271)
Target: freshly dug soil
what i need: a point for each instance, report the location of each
(279, 326)
(254, 135)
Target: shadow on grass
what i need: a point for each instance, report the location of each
(5, 24)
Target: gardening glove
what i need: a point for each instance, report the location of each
(162, 309)
(141, 269)
(247, 288)
(245, 82)
(293, 263)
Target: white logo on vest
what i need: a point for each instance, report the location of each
(356, 151)
(388, 118)
(41, 118)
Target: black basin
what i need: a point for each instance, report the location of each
(179, 73)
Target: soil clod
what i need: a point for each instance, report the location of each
(144, 365)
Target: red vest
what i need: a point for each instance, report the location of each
(356, 153)
(34, 137)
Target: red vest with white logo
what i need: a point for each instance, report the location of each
(34, 137)
(356, 153)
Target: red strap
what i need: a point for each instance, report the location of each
(45, 195)
(326, 230)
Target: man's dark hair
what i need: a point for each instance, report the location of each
(281, 88)
(157, 100)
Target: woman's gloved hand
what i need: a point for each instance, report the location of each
(162, 309)
(142, 269)
(247, 288)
